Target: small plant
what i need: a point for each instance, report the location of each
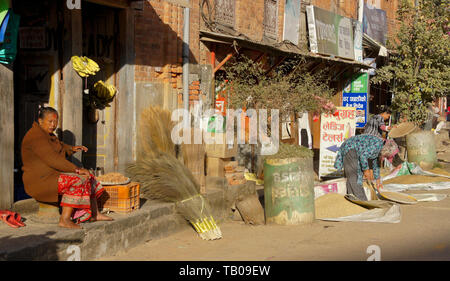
(289, 88)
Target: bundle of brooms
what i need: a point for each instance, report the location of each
(164, 177)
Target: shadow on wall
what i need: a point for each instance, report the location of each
(38, 247)
(156, 43)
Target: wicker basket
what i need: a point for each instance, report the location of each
(121, 198)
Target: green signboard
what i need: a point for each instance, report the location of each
(358, 84)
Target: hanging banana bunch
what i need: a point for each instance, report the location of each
(104, 94)
(84, 66)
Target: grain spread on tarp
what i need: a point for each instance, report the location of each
(334, 205)
(414, 179)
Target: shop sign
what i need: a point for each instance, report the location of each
(334, 130)
(225, 12)
(355, 95)
(358, 101)
(358, 47)
(329, 33)
(358, 84)
(291, 21)
(375, 23)
(271, 18)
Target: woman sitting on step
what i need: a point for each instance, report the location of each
(47, 173)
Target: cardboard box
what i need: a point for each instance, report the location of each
(215, 166)
(223, 150)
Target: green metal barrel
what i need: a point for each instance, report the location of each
(421, 148)
(289, 191)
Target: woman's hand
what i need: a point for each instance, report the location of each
(368, 174)
(379, 185)
(83, 172)
(79, 148)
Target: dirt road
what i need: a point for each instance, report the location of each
(423, 234)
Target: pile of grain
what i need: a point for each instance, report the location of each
(398, 197)
(440, 171)
(410, 179)
(112, 178)
(333, 205)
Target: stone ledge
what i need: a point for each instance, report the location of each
(49, 242)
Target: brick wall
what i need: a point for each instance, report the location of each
(158, 40)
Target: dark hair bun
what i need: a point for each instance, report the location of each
(44, 110)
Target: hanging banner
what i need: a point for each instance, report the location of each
(334, 130)
(329, 33)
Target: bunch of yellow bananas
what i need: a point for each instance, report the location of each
(104, 91)
(84, 66)
(104, 94)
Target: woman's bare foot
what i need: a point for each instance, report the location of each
(101, 217)
(67, 223)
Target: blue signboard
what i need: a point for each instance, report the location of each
(358, 100)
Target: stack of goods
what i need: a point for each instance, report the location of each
(164, 177)
(121, 195)
(235, 175)
(220, 163)
(9, 29)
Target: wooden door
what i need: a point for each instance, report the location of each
(100, 43)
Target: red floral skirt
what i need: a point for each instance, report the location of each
(77, 192)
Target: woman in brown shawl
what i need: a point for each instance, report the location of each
(47, 173)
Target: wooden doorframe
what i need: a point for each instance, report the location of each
(7, 137)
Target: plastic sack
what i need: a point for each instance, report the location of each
(388, 215)
(429, 197)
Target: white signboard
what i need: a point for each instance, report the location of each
(334, 130)
(291, 20)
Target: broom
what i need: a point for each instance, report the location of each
(164, 177)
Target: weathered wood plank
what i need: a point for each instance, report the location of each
(72, 111)
(125, 113)
(7, 137)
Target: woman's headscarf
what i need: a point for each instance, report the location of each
(389, 150)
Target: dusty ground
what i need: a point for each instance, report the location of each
(423, 234)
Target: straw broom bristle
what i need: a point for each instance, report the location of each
(155, 132)
(164, 177)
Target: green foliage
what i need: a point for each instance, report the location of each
(419, 68)
(291, 151)
(288, 88)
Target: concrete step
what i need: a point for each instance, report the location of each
(39, 241)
